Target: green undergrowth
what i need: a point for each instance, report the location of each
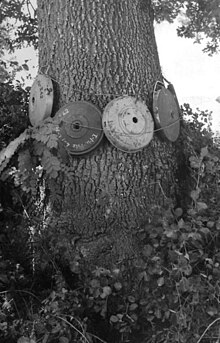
(170, 293)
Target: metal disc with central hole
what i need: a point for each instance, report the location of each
(128, 124)
(41, 99)
(166, 112)
(81, 127)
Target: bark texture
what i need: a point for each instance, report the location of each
(96, 51)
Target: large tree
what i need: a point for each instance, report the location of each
(97, 50)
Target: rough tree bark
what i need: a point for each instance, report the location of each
(97, 50)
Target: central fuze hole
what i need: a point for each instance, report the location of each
(76, 126)
(135, 120)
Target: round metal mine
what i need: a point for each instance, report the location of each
(80, 129)
(128, 124)
(166, 112)
(41, 99)
(172, 90)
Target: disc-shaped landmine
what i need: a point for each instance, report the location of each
(172, 90)
(41, 99)
(166, 112)
(128, 124)
(80, 127)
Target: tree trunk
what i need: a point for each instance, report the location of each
(97, 50)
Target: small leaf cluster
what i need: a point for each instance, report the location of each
(37, 157)
(21, 17)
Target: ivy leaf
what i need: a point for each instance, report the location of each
(57, 327)
(143, 276)
(147, 250)
(114, 319)
(52, 142)
(51, 164)
(131, 299)
(118, 286)
(178, 212)
(170, 233)
(133, 307)
(23, 339)
(101, 271)
(4, 278)
(191, 212)
(157, 313)
(205, 230)
(160, 281)
(94, 283)
(24, 160)
(38, 148)
(204, 152)
(218, 225)
(194, 162)
(210, 224)
(181, 223)
(212, 311)
(184, 285)
(106, 292)
(134, 317)
(195, 236)
(195, 194)
(201, 206)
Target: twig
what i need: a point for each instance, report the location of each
(22, 204)
(16, 308)
(201, 337)
(19, 290)
(27, 4)
(66, 321)
(159, 184)
(91, 334)
(30, 3)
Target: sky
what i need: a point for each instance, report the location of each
(194, 74)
